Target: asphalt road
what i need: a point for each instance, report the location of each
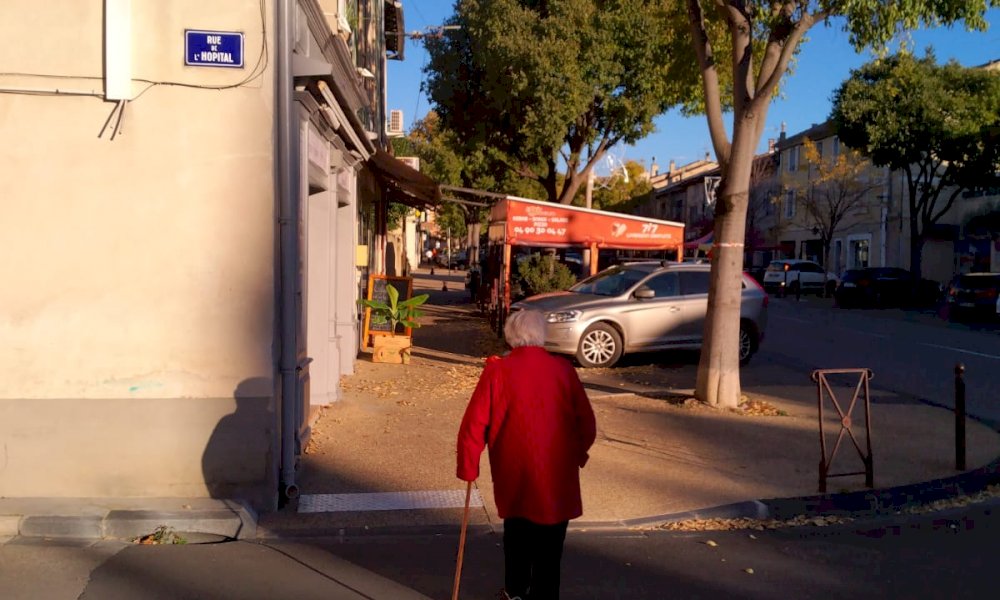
(940, 555)
(947, 555)
(911, 353)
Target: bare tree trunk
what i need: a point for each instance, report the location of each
(475, 230)
(719, 367)
(916, 255)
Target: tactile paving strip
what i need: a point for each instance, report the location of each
(314, 503)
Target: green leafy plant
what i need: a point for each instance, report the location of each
(539, 274)
(394, 312)
(162, 535)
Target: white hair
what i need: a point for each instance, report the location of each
(525, 328)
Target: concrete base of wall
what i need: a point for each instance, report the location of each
(138, 448)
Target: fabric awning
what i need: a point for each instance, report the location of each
(695, 244)
(403, 183)
(525, 222)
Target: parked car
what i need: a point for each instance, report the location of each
(973, 295)
(458, 260)
(800, 273)
(640, 307)
(884, 287)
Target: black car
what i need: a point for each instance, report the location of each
(885, 287)
(973, 295)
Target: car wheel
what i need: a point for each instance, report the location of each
(748, 343)
(600, 346)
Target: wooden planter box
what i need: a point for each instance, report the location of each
(394, 349)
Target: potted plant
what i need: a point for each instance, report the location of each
(392, 348)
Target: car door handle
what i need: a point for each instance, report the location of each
(674, 309)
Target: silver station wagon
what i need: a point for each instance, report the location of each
(640, 307)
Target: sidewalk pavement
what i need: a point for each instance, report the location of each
(659, 455)
(381, 462)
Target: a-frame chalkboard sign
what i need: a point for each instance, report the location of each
(377, 291)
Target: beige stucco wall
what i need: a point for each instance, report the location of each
(138, 273)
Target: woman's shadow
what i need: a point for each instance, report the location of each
(238, 454)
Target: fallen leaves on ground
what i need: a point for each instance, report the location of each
(991, 491)
(747, 407)
(633, 370)
(758, 408)
(419, 382)
(755, 524)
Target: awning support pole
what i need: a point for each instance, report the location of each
(506, 285)
(593, 258)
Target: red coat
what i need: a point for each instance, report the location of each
(530, 408)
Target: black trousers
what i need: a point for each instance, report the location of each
(532, 555)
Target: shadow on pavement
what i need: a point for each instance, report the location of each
(396, 426)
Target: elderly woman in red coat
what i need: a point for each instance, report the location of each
(531, 410)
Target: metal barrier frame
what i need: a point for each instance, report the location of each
(826, 460)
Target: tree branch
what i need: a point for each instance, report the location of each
(742, 55)
(523, 170)
(710, 81)
(768, 81)
(947, 206)
(780, 32)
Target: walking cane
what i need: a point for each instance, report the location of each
(461, 543)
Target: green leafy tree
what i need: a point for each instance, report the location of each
(395, 215)
(621, 190)
(927, 121)
(755, 40)
(450, 160)
(544, 81)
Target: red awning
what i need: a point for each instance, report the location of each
(535, 223)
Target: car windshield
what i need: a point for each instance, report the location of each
(612, 282)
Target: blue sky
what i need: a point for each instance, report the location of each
(824, 62)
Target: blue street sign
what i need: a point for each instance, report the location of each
(213, 48)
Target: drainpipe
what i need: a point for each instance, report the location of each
(288, 248)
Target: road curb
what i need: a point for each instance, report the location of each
(89, 518)
(860, 504)
(863, 503)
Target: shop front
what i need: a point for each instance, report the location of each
(531, 223)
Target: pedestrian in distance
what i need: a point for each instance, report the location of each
(530, 409)
(474, 281)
